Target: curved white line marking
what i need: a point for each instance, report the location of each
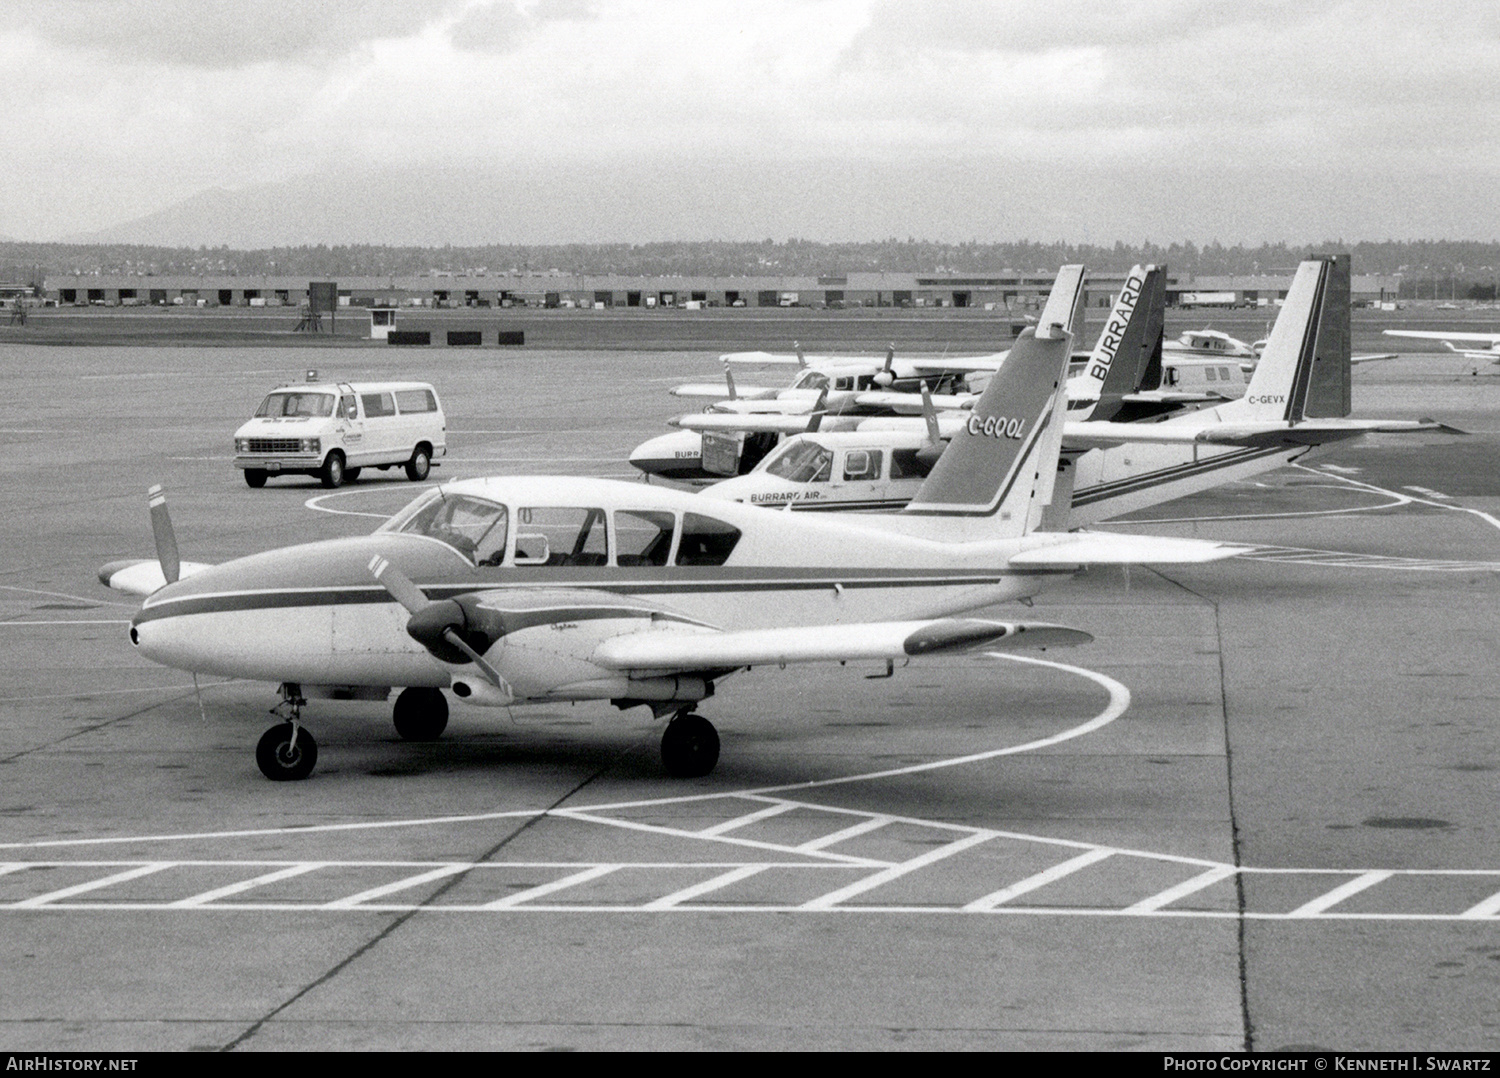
(315, 504)
(1398, 499)
(1119, 700)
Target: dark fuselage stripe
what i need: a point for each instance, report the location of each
(1136, 483)
(363, 595)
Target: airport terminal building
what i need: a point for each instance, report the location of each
(1002, 291)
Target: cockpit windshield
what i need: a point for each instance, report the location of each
(811, 380)
(472, 526)
(802, 461)
(296, 405)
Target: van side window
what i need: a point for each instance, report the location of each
(705, 541)
(416, 400)
(643, 536)
(377, 404)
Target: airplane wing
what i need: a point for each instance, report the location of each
(911, 403)
(772, 359)
(772, 423)
(1062, 549)
(1490, 339)
(1374, 357)
(949, 423)
(1251, 434)
(142, 576)
(720, 391)
(666, 650)
(964, 365)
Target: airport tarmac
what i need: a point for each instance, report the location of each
(1259, 811)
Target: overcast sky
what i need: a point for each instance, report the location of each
(1242, 120)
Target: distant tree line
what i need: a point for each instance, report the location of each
(1440, 268)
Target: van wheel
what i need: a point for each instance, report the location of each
(351, 474)
(420, 464)
(255, 477)
(333, 470)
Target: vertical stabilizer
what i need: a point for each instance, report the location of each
(1121, 359)
(1304, 371)
(999, 470)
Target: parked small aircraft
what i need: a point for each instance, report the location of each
(1132, 465)
(731, 437)
(1454, 342)
(517, 590)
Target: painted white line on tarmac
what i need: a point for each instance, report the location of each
(355, 901)
(205, 897)
(65, 595)
(1490, 907)
(734, 875)
(869, 883)
(1187, 887)
(38, 901)
(510, 902)
(1041, 879)
(749, 818)
(1360, 883)
(1488, 518)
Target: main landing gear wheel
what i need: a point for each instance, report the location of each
(284, 758)
(255, 477)
(420, 714)
(689, 746)
(420, 464)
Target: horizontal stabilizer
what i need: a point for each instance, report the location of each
(1250, 435)
(1063, 549)
(141, 576)
(664, 650)
(1373, 357)
(1438, 335)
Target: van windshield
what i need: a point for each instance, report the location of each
(298, 405)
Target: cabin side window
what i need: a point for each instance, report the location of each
(555, 536)
(348, 407)
(862, 464)
(643, 537)
(705, 541)
(906, 464)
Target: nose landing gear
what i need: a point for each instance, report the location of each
(689, 746)
(287, 752)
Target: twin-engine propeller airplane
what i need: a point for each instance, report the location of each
(517, 590)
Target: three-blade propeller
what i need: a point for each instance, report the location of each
(431, 621)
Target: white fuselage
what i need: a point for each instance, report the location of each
(314, 615)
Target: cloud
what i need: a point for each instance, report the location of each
(115, 109)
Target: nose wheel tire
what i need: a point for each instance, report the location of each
(420, 714)
(282, 759)
(689, 746)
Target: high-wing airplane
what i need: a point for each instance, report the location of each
(1296, 400)
(1455, 342)
(517, 590)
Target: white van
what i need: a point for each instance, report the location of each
(334, 431)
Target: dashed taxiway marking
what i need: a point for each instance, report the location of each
(773, 853)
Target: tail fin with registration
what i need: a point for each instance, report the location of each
(1305, 371)
(1000, 468)
(1121, 359)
